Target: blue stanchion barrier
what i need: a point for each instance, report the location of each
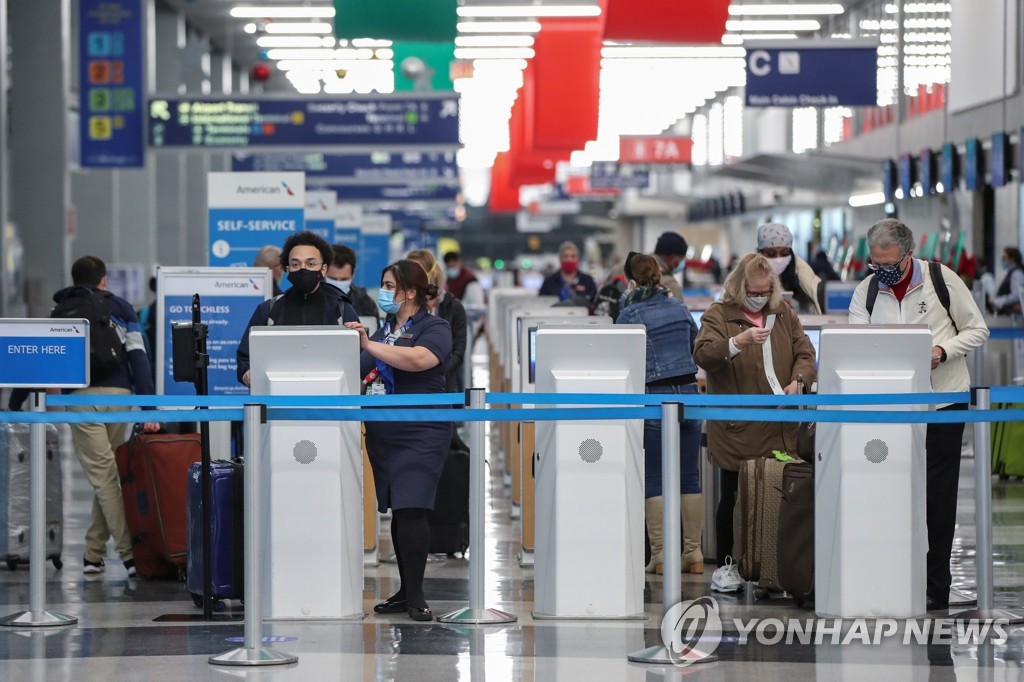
(406, 400)
(120, 417)
(1003, 333)
(489, 415)
(699, 400)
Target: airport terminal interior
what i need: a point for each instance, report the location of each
(213, 192)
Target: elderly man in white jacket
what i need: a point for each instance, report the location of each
(907, 295)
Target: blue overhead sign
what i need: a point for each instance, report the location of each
(827, 73)
(369, 123)
(47, 353)
(110, 71)
(605, 175)
(428, 192)
(248, 211)
(378, 167)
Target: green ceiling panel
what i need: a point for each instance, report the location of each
(438, 58)
(426, 20)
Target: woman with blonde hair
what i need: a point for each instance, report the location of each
(750, 341)
(449, 308)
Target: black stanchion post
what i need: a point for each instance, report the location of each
(202, 363)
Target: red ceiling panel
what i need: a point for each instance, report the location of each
(668, 21)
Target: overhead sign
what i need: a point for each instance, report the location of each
(949, 167)
(374, 249)
(655, 149)
(47, 353)
(360, 123)
(111, 62)
(826, 73)
(129, 281)
(248, 211)
(377, 167)
(614, 176)
(321, 208)
(228, 297)
(428, 192)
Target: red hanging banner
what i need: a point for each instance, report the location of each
(504, 198)
(667, 21)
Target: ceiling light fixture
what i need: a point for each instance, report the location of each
(494, 41)
(494, 53)
(498, 26)
(867, 199)
(738, 38)
(281, 12)
(772, 25)
(672, 52)
(531, 11)
(289, 41)
(785, 10)
(298, 27)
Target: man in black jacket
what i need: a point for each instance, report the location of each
(340, 274)
(305, 257)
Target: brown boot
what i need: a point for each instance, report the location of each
(652, 513)
(692, 506)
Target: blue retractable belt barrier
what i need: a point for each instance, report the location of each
(1005, 333)
(698, 400)
(407, 400)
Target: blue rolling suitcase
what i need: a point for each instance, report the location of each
(226, 528)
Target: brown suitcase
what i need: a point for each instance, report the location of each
(796, 541)
(154, 477)
(757, 511)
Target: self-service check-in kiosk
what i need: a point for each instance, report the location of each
(313, 521)
(526, 443)
(590, 547)
(870, 537)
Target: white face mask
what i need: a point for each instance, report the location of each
(344, 284)
(780, 264)
(755, 303)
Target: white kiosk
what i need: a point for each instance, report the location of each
(313, 513)
(870, 538)
(590, 490)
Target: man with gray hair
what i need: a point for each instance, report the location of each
(906, 290)
(270, 257)
(569, 283)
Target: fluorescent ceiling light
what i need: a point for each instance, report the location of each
(738, 38)
(370, 42)
(867, 199)
(494, 41)
(530, 11)
(345, 53)
(493, 53)
(672, 52)
(785, 10)
(498, 26)
(281, 12)
(290, 41)
(772, 25)
(332, 65)
(297, 27)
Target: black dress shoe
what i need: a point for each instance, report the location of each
(937, 605)
(421, 613)
(391, 606)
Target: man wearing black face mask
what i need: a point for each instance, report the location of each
(305, 257)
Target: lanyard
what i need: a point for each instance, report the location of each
(384, 371)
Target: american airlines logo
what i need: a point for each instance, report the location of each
(259, 189)
(234, 285)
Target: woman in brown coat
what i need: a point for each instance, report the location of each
(731, 349)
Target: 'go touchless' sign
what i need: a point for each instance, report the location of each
(251, 210)
(44, 353)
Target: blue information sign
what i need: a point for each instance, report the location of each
(999, 161)
(973, 175)
(805, 74)
(374, 256)
(605, 175)
(889, 180)
(248, 211)
(948, 167)
(427, 192)
(111, 63)
(926, 170)
(44, 353)
(907, 175)
(367, 122)
(379, 167)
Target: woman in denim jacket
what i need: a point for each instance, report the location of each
(671, 332)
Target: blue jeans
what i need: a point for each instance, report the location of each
(689, 448)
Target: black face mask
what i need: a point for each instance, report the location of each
(304, 281)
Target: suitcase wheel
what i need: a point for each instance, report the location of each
(197, 600)
(57, 563)
(799, 602)
(12, 564)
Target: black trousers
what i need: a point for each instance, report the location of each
(943, 449)
(729, 482)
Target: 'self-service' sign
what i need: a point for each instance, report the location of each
(248, 211)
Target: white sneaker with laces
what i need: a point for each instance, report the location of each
(727, 578)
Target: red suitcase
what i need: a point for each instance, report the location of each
(154, 475)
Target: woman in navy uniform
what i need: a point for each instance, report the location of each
(409, 354)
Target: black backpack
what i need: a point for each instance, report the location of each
(938, 283)
(106, 349)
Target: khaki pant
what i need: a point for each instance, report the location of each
(95, 445)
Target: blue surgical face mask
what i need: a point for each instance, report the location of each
(678, 269)
(344, 284)
(453, 272)
(386, 301)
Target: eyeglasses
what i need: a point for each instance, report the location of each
(894, 267)
(759, 293)
(311, 264)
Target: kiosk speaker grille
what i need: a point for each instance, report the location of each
(304, 452)
(591, 450)
(876, 451)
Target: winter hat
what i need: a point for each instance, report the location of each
(670, 244)
(774, 234)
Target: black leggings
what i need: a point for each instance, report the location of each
(410, 535)
(728, 483)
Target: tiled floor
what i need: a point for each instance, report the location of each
(119, 638)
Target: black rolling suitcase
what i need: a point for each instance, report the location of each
(227, 532)
(449, 521)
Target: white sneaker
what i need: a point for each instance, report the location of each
(727, 578)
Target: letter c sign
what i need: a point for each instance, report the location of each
(760, 63)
